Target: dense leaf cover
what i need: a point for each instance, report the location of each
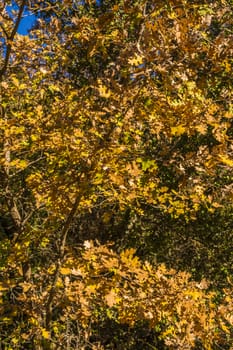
(116, 161)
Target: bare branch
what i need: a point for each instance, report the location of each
(11, 38)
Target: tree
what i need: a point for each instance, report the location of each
(107, 110)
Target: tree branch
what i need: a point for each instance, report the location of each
(11, 38)
(64, 234)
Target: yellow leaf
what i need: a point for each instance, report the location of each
(194, 294)
(177, 130)
(225, 328)
(217, 205)
(136, 60)
(15, 340)
(33, 320)
(59, 283)
(15, 81)
(91, 289)
(103, 90)
(51, 269)
(226, 160)
(163, 189)
(65, 271)
(202, 129)
(22, 164)
(34, 137)
(45, 334)
(26, 286)
(114, 34)
(3, 287)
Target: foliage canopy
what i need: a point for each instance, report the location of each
(116, 143)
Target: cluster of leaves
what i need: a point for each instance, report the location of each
(115, 125)
(95, 284)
